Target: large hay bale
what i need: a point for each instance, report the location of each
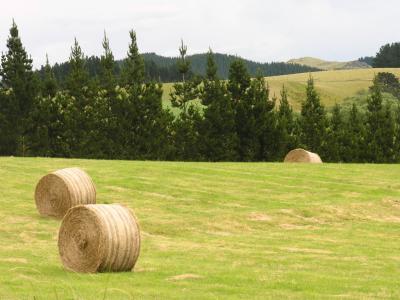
(59, 191)
(99, 238)
(302, 156)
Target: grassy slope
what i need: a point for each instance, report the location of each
(328, 65)
(251, 230)
(333, 86)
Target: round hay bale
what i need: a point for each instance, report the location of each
(99, 238)
(302, 156)
(57, 192)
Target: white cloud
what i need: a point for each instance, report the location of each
(256, 29)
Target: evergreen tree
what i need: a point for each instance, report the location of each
(53, 126)
(374, 122)
(104, 125)
(335, 135)
(245, 122)
(133, 67)
(238, 81)
(218, 134)
(187, 125)
(49, 82)
(143, 115)
(82, 94)
(78, 78)
(107, 68)
(188, 89)
(312, 120)
(183, 63)
(212, 69)
(354, 137)
(186, 135)
(388, 56)
(380, 128)
(20, 86)
(397, 135)
(265, 118)
(151, 134)
(388, 136)
(286, 126)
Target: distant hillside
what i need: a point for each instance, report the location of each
(164, 69)
(329, 65)
(223, 61)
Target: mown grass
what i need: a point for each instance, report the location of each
(334, 86)
(216, 230)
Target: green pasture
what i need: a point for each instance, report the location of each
(216, 230)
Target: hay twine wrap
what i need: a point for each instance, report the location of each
(58, 191)
(302, 156)
(99, 238)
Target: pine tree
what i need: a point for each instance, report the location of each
(333, 150)
(388, 136)
(49, 82)
(133, 67)
(354, 137)
(380, 128)
(397, 134)
(78, 78)
(265, 119)
(218, 134)
(188, 89)
(53, 126)
(212, 69)
(82, 92)
(313, 120)
(245, 122)
(104, 117)
(151, 133)
(20, 85)
(183, 63)
(286, 126)
(238, 81)
(373, 122)
(186, 127)
(107, 68)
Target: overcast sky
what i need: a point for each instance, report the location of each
(261, 30)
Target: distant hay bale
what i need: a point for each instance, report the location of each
(99, 238)
(59, 191)
(302, 156)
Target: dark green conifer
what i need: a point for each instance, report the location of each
(20, 87)
(313, 120)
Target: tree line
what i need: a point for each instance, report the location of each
(164, 69)
(122, 117)
(388, 56)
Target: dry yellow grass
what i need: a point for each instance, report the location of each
(333, 86)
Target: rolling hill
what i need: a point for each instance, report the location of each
(198, 63)
(216, 230)
(334, 86)
(329, 65)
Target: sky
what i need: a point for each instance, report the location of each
(260, 30)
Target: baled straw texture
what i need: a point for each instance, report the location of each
(99, 238)
(302, 156)
(59, 191)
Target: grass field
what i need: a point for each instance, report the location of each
(333, 86)
(216, 230)
(328, 65)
